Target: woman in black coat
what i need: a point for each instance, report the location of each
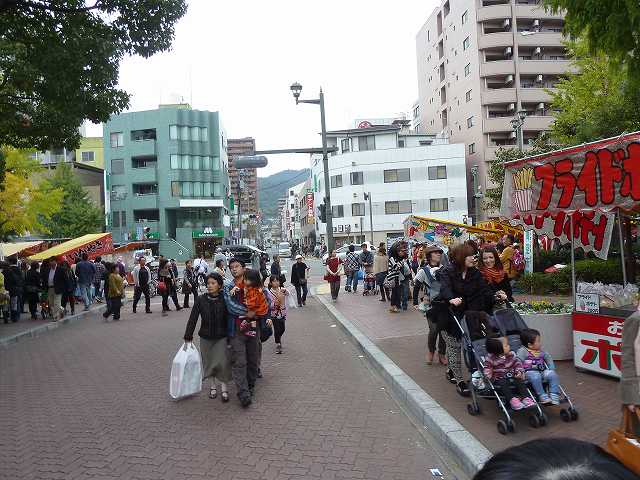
(462, 289)
(32, 289)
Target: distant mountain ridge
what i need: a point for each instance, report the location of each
(275, 186)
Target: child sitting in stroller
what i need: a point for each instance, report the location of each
(539, 367)
(504, 369)
(369, 284)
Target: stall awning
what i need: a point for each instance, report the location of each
(8, 249)
(93, 244)
(443, 227)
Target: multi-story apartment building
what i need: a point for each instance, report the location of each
(238, 147)
(290, 214)
(405, 173)
(168, 179)
(480, 62)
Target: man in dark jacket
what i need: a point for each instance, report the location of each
(299, 279)
(85, 271)
(14, 283)
(99, 278)
(141, 278)
(277, 270)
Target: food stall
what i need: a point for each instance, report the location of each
(444, 232)
(21, 249)
(577, 195)
(93, 244)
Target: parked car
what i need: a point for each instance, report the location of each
(284, 249)
(241, 252)
(343, 250)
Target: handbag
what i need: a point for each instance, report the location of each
(623, 442)
(186, 287)
(162, 287)
(302, 281)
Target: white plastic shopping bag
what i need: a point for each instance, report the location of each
(186, 372)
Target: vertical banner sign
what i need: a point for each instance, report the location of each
(528, 251)
(310, 205)
(139, 232)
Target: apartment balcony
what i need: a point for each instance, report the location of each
(494, 12)
(142, 175)
(536, 12)
(499, 124)
(492, 40)
(140, 148)
(535, 95)
(546, 67)
(537, 123)
(540, 39)
(499, 67)
(144, 202)
(499, 95)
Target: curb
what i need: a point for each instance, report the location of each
(41, 329)
(451, 435)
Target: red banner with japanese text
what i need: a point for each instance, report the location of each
(597, 343)
(599, 176)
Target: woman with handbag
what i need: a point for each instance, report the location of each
(332, 275)
(189, 284)
(166, 286)
(380, 267)
(299, 279)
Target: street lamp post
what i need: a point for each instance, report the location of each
(477, 193)
(296, 88)
(516, 124)
(367, 196)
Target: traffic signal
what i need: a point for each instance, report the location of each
(322, 208)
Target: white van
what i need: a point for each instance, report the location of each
(284, 249)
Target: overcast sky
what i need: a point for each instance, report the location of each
(239, 57)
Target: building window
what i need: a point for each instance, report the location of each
(88, 156)
(117, 166)
(468, 96)
(439, 204)
(467, 69)
(150, 215)
(469, 122)
(118, 192)
(466, 43)
(357, 209)
(187, 189)
(116, 219)
(397, 175)
(139, 135)
(337, 211)
(346, 145)
(176, 189)
(184, 133)
(117, 139)
(144, 162)
(472, 148)
(173, 132)
(465, 17)
(145, 188)
(123, 218)
(204, 136)
(367, 143)
(438, 173)
(401, 142)
(195, 134)
(402, 206)
(336, 181)
(357, 178)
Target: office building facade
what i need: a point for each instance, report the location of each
(480, 62)
(167, 175)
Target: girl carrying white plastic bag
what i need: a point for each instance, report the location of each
(186, 372)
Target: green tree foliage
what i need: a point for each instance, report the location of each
(24, 206)
(493, 196)
(600, 101)
(59, 62)
(78, 216)
(608, 26)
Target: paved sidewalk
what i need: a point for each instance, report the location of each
(91, 402)
(403, 338)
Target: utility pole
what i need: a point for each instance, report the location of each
(367, 196)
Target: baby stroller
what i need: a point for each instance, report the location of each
(510, 323)
(370, 286)
(45, 311)
(474, 353)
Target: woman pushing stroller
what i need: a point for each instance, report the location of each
(462, 288)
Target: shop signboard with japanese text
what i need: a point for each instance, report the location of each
(597, 342)
(310, 206)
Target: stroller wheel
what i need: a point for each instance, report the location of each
(511, 426)
(565, 415)
(573, 413)
(534, 421)
(543, 420)
(473, 409)
(502, 427)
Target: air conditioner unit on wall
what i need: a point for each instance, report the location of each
(511, 107)
(537, 51)
(536, 23)
(512, 134)
(508, 51)
(539, 78)
(506, 22)
(508, 79)
(540, 106)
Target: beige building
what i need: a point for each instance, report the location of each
(480, 62)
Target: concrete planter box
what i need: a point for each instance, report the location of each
(557, 333)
